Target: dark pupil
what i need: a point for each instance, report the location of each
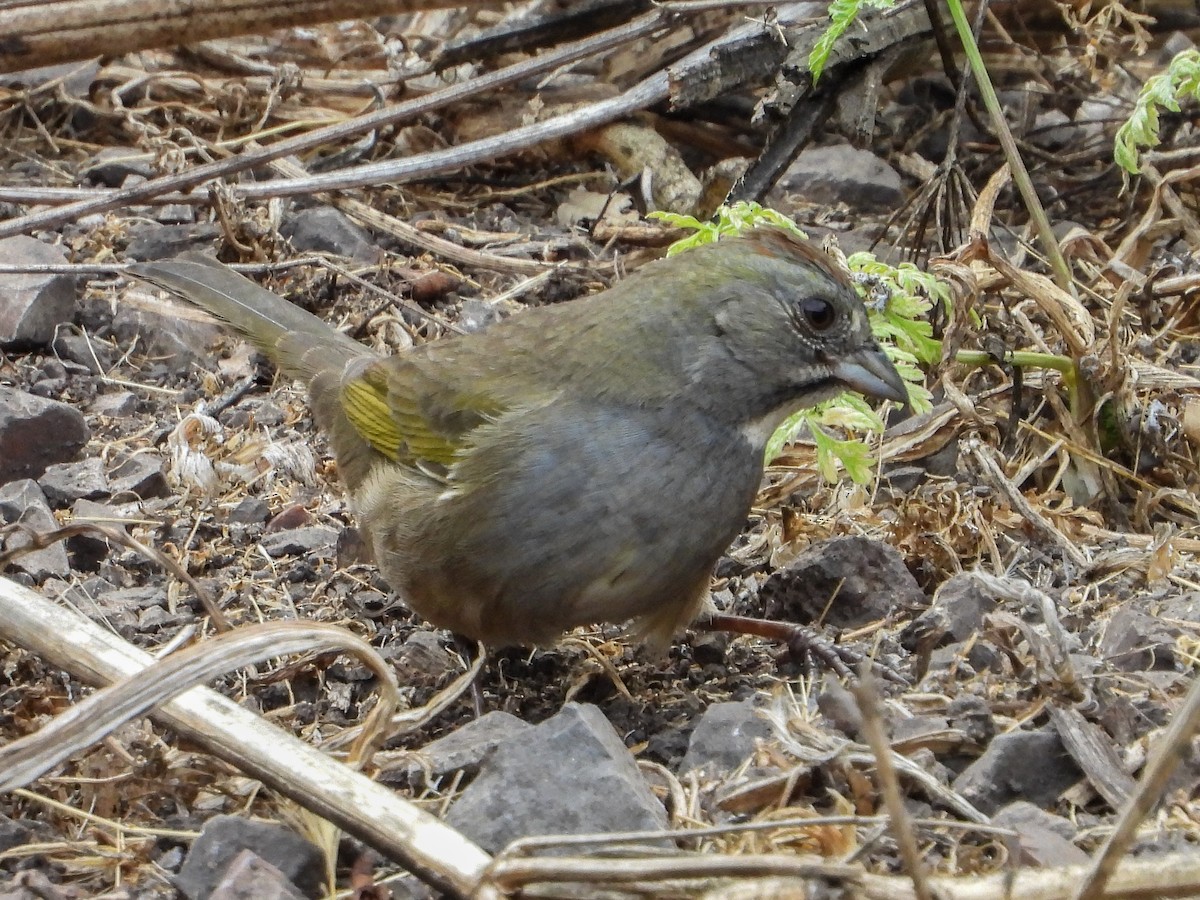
(817, 312)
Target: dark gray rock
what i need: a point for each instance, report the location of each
(175, 214)
(119, 405)
(33, 305)
(250, 877)
(1136, 642)
(36, 433)
(64, 483)
(964, 601)
(23, 502)
(89, 549)
(138, 476)
(110, 166)
(464, 750)
(1045, 839)
(323, 229)
(1022, 765)
(845, 174)
(867, 580)
(725, 737)
(74, 79)
(93, 355)
(309, 539)
(168, 332)
(154, 241)
(421, 656)
(569, 775)
(250, 511)
(223, 838)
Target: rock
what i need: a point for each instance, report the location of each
(74, 79)
(476, 315)
(173, 334)
(175, 214)
(250, 511)
(867, 580)
(250, 876)
(972, 716)
(421, 657)
(64, 483)
(841, 173)
(1052, 129)
(1097, 117)
(89, 549)
(13, 833)
(1136, 642)
(138, 476)
(1021, 765)
(323, 229)
(464, 750)
(95, 356)
(120, 405)
(112, 165)
(23, 502)
(1044, 838)
(309, 540)
(963, 600)
(569, 775)
(1184, 606)
(154, 241)
(726, 735)
(223, 838)
(33, 305)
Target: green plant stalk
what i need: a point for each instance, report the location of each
(1021, 359)
(1025, 359)
(1020, 175)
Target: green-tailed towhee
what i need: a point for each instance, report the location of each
(579, 463)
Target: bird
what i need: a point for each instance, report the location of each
(581, 463)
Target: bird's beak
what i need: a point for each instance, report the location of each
(870, 372)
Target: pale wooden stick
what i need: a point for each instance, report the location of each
(425, 846)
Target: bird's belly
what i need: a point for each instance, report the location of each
(599, 526)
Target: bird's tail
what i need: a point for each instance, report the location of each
(298, 342)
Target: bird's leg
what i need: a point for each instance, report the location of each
(470, 649)
(801, 642)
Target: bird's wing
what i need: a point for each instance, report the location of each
(415, 414)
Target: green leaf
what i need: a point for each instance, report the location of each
(842, 14)
(1164, 91)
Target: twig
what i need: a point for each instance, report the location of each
(300, 144)
(1170, 749)
(433, 851)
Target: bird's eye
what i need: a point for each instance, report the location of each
(818, 313)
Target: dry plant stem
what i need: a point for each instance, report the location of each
(652, 90)
(381, 222)
(42, 32)
(103, 712)
(1177, 875)
(1067, 313)
(425, 846)
(1173, 876)
(1171, 747)
(507, 877)
(39, 541)
(401, 112)
(1062, 272)
(410, 720)
(868, 701)
(1091, 747)
(991, 469)
(1171, 200)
